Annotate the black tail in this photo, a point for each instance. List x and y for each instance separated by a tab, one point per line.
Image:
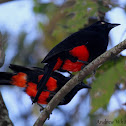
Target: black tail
48	69
5	78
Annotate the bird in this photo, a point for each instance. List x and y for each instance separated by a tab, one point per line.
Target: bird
76	51
28	78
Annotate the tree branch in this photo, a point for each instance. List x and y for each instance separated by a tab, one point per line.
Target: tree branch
77	79
4	1
4	116
2	54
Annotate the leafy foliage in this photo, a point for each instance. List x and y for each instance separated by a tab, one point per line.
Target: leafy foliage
64	20
121	119
104	85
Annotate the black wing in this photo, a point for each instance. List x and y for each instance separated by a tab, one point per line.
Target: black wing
27	70
33	73
76	39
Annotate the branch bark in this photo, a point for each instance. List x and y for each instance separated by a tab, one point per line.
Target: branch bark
4	1
77	79
4	116
2	54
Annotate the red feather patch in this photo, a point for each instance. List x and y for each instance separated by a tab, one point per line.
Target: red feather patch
31	90
51	83
81	53
58	64
19	80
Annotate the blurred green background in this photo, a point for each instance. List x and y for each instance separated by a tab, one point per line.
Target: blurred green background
50	23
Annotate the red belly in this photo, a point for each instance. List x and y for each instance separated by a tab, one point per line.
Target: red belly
81	53
73	67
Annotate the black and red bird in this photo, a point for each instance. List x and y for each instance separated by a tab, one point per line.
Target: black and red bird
28	78
73	52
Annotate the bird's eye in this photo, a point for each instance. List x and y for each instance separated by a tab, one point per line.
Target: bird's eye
102	22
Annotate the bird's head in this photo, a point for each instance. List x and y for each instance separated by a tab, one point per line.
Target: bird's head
102	26
82	85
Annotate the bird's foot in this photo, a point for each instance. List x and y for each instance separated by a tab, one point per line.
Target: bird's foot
85	62
41	107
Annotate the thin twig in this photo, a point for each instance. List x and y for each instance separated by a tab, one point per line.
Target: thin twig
76	79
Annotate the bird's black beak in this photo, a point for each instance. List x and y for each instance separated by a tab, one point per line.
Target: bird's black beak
85	85
110	26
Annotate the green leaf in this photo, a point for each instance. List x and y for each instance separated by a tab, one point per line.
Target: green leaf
103	86
121	119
